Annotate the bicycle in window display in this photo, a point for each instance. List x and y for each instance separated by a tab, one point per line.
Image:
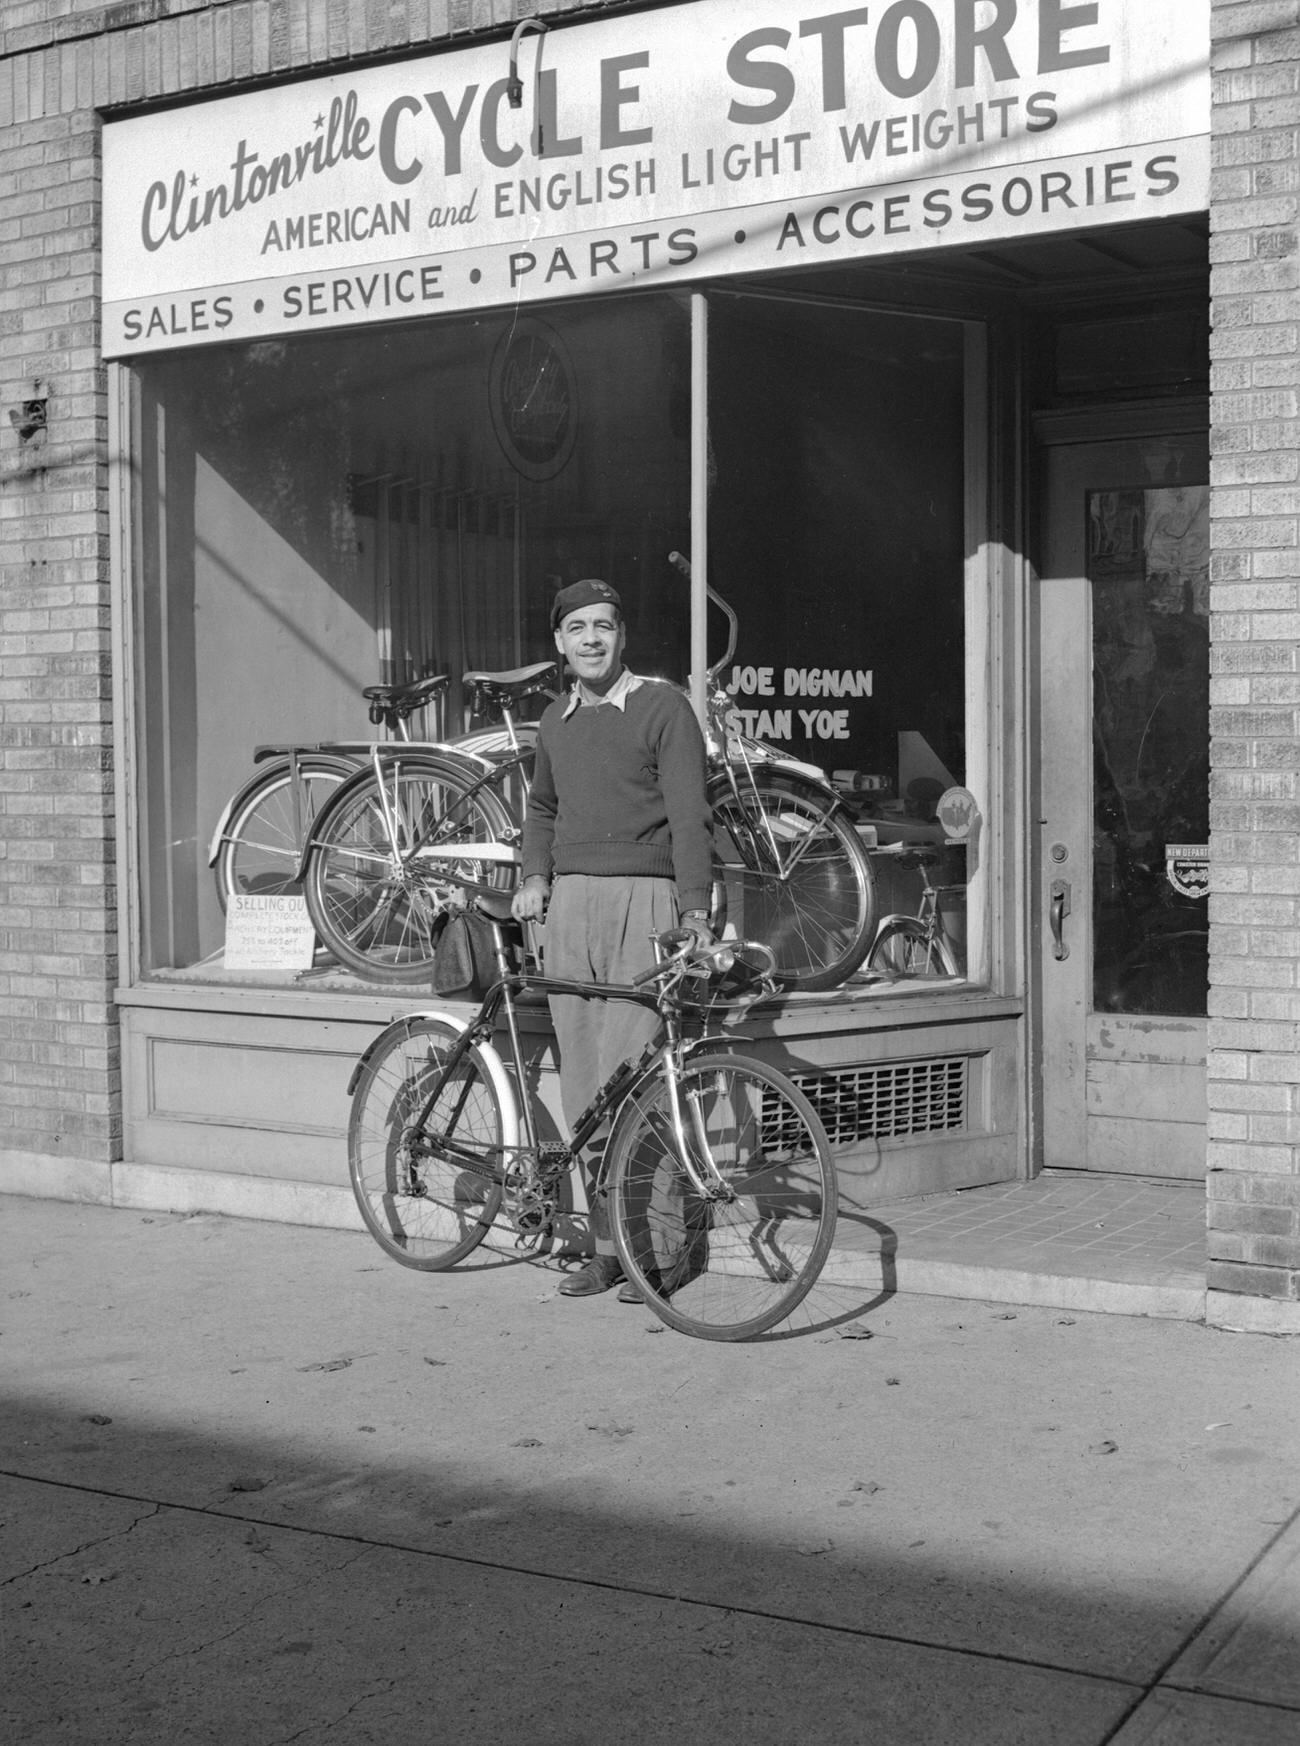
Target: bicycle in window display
915	945
790	869
259	841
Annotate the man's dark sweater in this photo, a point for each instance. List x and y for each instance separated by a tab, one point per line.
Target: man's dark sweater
622	791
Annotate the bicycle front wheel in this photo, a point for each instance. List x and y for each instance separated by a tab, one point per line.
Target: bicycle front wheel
376	890
906	947
791	871
261	842
724	1243
426	1175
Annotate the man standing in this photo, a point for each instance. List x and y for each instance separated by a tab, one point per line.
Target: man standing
618	836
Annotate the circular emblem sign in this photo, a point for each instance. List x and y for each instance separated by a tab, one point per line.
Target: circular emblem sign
534	402
957	812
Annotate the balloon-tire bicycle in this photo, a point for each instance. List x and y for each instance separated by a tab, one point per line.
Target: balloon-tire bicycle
914	945
258	844
380	862
720	1185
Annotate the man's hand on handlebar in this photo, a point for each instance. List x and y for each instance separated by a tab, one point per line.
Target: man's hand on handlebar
696	922
529	902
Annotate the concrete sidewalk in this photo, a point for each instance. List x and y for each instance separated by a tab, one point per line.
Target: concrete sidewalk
1068	1239
263	1485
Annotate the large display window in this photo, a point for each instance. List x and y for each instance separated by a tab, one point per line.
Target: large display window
312	517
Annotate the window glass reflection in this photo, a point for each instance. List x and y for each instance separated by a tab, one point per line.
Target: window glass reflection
1148	563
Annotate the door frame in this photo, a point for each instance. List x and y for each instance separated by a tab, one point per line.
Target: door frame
1075	428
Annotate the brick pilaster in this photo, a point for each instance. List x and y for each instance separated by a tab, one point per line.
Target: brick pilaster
1254	1027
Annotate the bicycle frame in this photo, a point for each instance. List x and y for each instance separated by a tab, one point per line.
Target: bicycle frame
664	1056
929	908
469	768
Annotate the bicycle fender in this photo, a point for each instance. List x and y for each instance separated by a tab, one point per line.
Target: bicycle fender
810	773
395	1028
715	1040
222	826
888	921
771	759
228	811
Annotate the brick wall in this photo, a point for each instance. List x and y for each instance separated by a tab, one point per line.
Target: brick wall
60	63
1254	1033
58	1048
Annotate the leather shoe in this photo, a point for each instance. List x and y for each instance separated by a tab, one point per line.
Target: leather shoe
629	1293
600	1273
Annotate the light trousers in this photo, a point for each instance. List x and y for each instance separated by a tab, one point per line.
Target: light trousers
599	929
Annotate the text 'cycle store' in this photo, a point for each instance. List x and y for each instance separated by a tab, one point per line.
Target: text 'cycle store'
867	354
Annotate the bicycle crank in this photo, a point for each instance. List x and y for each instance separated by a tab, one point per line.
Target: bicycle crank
530	1193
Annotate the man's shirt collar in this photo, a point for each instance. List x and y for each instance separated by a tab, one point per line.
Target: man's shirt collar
618	693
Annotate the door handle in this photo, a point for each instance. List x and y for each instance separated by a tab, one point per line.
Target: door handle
1059	892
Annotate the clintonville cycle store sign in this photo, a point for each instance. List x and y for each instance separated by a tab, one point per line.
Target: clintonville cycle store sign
726	136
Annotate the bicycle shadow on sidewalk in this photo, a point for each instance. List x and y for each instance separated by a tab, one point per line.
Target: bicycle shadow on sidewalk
837	1302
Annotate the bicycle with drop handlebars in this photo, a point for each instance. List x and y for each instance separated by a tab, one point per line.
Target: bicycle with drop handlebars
718	1175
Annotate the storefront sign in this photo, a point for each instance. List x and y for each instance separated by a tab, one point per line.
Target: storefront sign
268	933
725	136
1187	867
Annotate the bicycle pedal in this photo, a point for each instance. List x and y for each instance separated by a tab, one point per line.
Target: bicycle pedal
533	1239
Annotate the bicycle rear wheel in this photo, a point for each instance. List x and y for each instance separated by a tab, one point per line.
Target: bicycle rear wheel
906	947
261	840
427	1180
790	871
735	1262
376	890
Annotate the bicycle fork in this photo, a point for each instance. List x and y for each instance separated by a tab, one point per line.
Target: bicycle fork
709	1182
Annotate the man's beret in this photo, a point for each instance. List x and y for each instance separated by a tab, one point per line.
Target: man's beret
591	592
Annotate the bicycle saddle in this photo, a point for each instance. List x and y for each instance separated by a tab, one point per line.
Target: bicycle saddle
495	904
403	700
502	690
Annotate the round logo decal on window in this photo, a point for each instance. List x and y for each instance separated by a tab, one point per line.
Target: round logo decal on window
534	402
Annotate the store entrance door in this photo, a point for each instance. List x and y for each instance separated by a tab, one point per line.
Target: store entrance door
1123	755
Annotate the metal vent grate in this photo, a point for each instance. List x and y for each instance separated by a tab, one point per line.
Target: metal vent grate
888	1101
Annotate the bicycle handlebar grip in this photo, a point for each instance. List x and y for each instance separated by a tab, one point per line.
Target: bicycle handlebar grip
679	941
